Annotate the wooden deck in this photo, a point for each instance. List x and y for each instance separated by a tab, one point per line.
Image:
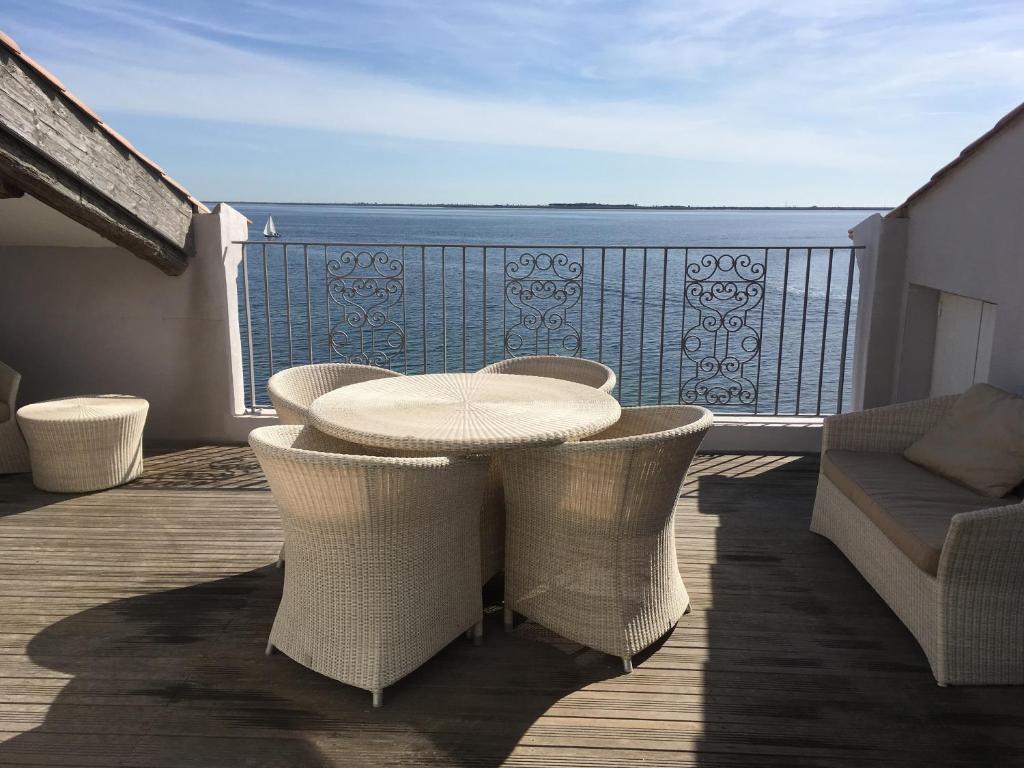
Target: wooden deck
132	626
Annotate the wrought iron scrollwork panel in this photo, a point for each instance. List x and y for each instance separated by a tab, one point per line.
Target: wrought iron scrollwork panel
369	289
721	341
543	304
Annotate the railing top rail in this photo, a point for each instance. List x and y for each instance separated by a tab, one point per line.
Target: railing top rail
551	245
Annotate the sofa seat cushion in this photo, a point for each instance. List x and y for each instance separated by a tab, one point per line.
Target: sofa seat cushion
5	411
909	504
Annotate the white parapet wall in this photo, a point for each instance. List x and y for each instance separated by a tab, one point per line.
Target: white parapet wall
764	434
79	315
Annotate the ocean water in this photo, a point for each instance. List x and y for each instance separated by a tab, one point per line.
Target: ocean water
741	311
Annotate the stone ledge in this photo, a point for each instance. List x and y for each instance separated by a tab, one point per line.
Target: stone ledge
765	434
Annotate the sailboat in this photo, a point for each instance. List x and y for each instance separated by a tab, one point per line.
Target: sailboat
270	231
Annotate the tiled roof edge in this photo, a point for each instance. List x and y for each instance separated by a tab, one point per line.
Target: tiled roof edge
117	138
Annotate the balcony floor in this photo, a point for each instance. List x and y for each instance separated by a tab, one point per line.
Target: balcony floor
133	621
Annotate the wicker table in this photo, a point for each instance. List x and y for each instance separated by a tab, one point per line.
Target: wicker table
463	413
79	444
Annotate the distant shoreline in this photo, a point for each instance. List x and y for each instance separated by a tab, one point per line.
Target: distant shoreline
586	206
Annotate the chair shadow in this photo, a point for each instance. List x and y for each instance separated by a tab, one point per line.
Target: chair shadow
186	671
806	665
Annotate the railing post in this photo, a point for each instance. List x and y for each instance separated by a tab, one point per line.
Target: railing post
248	327
841	390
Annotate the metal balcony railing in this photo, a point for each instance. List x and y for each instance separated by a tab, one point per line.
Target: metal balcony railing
763	330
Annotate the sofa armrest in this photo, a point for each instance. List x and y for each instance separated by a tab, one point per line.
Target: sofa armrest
981	596
985	548
889	429
9	381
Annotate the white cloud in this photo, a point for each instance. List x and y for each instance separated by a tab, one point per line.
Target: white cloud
826	84
249	88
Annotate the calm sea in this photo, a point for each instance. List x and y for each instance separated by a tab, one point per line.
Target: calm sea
528	226
700	324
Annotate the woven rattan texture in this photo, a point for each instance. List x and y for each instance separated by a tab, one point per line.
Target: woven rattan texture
578	369
969	619
492	515
293	390
590	549
463	412
383	554
80	444
13	451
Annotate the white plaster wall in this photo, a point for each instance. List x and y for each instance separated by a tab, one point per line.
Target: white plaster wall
882	270
78	320
966	236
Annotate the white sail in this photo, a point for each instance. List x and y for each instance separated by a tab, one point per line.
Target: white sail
270	230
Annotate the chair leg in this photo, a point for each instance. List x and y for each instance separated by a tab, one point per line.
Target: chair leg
510	618
270	648
478	633
378	698
627	664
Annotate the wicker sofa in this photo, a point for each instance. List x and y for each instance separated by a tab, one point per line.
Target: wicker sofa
948	561
13	451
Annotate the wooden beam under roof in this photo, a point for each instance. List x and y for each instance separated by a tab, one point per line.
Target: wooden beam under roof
24	169
9	191
55	148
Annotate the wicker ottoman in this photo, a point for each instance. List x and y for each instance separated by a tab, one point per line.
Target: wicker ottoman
84	443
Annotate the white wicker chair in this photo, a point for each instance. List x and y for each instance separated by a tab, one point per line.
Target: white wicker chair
492	515
383	555
292	391
13	451
591	549
969	615
578	369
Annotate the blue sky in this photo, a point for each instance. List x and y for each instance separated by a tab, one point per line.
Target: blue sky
752	102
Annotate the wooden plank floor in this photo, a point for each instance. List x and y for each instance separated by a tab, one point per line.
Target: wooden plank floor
132	626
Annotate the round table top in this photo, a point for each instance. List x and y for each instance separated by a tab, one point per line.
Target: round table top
90	408
458	413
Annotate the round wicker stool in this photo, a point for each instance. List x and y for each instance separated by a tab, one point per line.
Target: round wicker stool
80	444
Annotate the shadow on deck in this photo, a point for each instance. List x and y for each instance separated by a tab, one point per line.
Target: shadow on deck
133	625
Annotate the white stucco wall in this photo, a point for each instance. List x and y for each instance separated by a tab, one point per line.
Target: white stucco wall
83	319
882	263
966	236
